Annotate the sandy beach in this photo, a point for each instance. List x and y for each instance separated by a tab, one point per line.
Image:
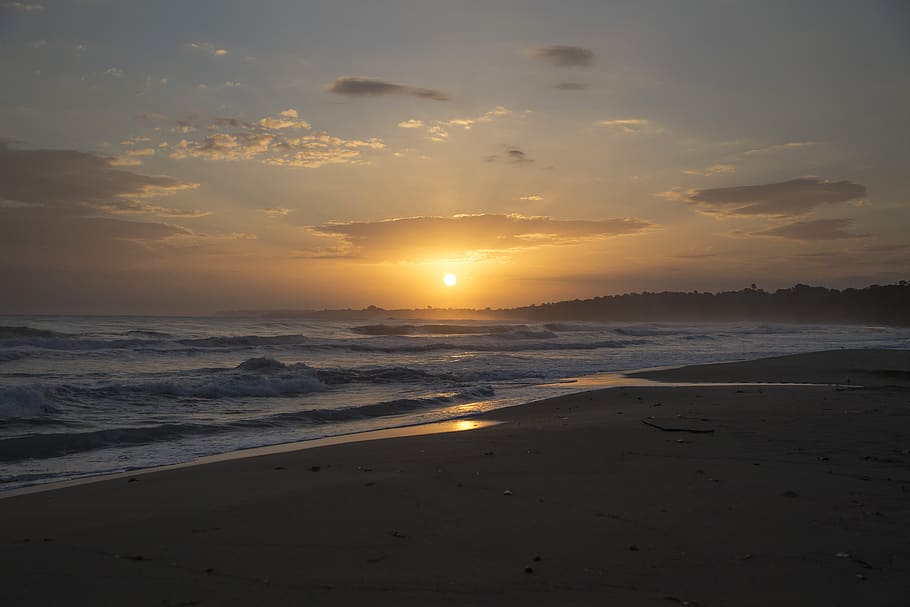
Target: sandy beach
693	495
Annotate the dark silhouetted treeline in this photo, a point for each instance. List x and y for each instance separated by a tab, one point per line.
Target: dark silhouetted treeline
876	304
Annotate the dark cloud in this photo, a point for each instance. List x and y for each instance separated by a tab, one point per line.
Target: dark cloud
48	238
571	86
231	122
416	238
783	199
151	116
512	155
68	177
371	87
818	229
564	56
516	155
58	205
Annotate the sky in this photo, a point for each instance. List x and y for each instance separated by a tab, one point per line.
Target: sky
187	157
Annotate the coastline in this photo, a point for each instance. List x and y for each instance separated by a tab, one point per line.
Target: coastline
731	495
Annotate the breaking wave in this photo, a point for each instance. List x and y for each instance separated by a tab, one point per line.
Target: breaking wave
56	444
20	332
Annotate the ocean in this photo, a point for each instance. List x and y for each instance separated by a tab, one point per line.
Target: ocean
83	396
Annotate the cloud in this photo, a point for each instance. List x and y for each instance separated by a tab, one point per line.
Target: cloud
371	87
780	147
236	123
532	197
437	133
512	155
131	157
151	116
27	7
285	120
67	178
224	146
438	129
783	199
141	152
714	169
563	56
730	162
570	86
818	229
137	207
208	49
461	236
276	211
628	125
185	126
274	140
466	123
64	200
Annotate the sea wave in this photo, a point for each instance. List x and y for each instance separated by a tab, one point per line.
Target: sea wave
415	346
24	401
380	375
148	333
233	341
260	377
11	355
74	343
255	377
381	409
7	332
651	330
56	444
565	327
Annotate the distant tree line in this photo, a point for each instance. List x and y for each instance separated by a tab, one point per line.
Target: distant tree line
876	304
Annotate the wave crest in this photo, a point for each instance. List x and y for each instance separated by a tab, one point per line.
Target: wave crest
20	332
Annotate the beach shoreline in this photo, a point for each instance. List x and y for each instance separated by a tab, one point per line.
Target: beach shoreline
710	495
649	377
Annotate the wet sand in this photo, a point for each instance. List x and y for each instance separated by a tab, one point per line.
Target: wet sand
749	495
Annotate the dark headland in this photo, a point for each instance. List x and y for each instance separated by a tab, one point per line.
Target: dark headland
876	304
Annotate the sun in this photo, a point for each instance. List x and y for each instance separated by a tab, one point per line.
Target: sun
449	280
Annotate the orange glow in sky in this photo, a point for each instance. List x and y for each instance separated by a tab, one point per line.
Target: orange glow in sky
347	158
